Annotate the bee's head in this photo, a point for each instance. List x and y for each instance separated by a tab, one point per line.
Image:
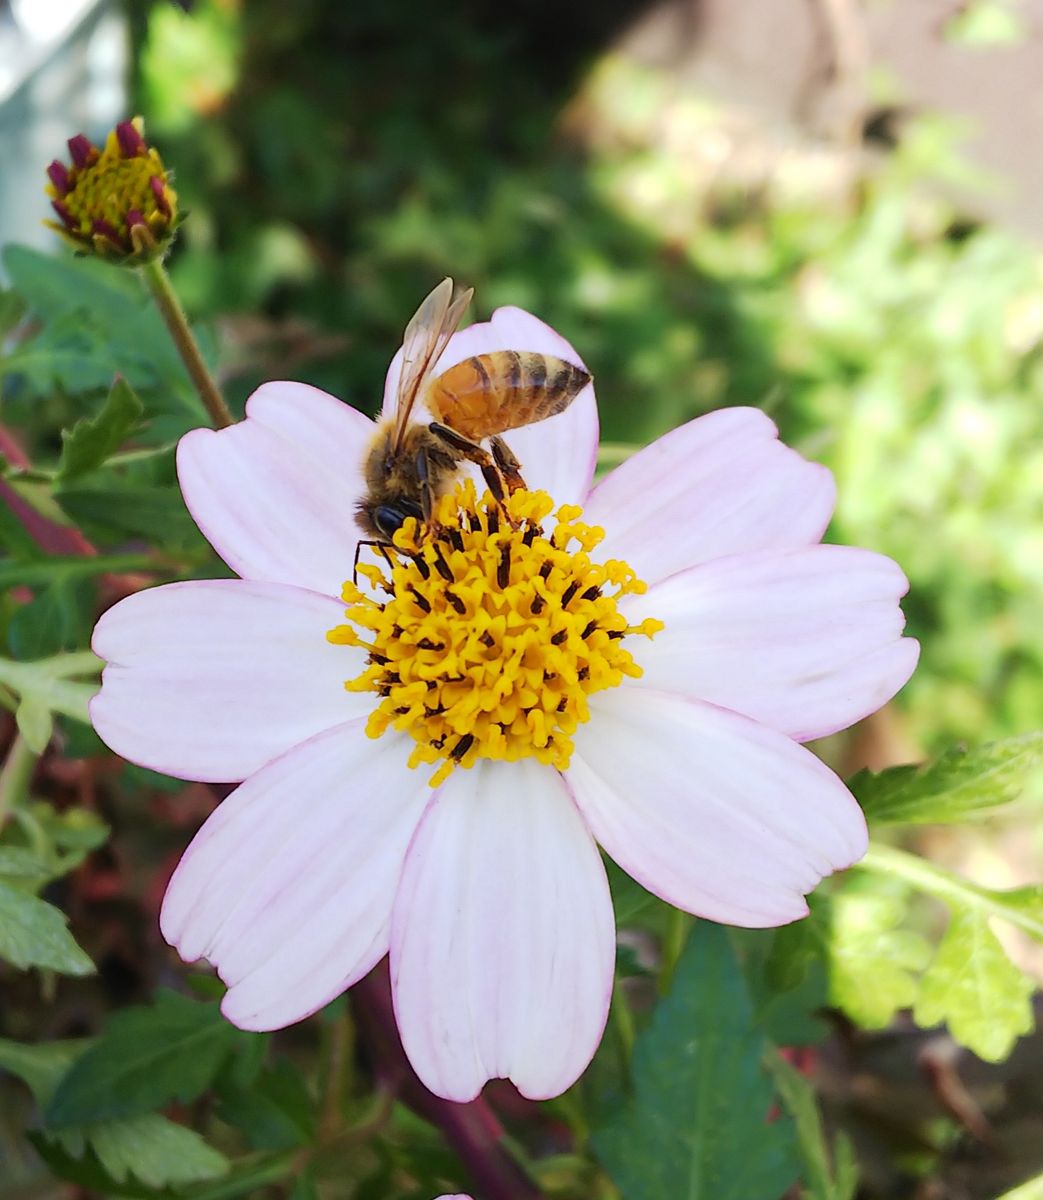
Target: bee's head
383	520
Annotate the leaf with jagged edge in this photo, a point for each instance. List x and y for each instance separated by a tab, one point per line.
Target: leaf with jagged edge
697	1123
874	964
959	785
974	988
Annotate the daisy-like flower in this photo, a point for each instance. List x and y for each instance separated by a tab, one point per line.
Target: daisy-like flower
432	759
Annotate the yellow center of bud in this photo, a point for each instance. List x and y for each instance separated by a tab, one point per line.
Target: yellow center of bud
491	634
115	202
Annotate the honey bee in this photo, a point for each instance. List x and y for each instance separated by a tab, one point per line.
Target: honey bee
411	463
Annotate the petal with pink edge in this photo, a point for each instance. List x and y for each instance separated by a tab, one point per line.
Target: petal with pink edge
716	814
275	494
211	679
557	455
722	484
287	889
806	641
503	939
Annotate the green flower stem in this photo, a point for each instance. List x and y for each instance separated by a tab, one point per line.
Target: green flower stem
158	281
15	775
946	885
678	926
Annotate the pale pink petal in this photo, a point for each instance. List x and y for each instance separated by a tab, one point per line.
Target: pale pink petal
806	641
287	889
713	812
210	679
722	484
275	494
557	455
455	1196
502	940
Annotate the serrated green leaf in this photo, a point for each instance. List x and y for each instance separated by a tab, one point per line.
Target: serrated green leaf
974	988
150	1147
35	723
145	1058
873	963
959	785
33	933
93	439
830	1173
698	1122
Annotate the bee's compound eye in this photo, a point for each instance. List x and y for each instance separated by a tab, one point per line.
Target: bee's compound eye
388	519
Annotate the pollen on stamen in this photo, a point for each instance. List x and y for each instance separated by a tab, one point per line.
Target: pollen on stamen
490	635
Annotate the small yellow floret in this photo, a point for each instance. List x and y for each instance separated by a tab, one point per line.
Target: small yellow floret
492	634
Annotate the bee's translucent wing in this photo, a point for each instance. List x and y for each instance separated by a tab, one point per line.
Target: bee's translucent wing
426	336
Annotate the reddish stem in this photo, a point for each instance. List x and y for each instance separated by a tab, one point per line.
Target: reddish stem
472	1129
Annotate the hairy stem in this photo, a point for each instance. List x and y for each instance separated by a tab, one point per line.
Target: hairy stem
158	281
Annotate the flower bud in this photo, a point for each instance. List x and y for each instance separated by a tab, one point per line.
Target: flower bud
116	203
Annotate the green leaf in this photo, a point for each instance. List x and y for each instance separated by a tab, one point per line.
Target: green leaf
149	1147
146	1058
156	1151
157	513
697	1125
23	867
12	310
40	1066
829	1173
873	963
975	989
275	1111
33	933
960	784
35	722
47	682
93	439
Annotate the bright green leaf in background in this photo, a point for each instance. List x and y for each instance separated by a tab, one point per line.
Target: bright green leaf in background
960	784
874	961
698	1124
975	989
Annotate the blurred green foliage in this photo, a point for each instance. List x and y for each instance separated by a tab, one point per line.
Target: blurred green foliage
334	168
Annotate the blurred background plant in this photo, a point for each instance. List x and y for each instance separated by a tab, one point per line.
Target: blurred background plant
718	204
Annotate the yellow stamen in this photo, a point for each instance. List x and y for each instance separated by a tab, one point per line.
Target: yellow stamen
491	637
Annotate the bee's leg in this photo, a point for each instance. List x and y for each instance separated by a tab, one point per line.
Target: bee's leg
381	546
509	466
465	448
427	492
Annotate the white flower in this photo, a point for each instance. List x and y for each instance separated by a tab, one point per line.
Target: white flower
489	890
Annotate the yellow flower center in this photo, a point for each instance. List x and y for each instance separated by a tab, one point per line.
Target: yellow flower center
491	633
117	201
111	188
